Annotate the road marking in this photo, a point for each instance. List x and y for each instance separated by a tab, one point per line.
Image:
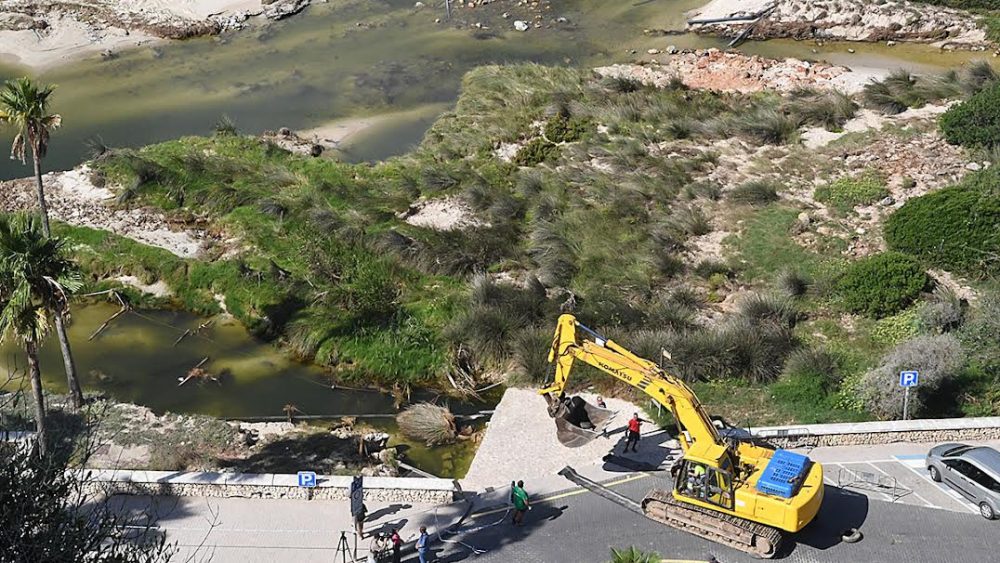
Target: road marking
907	463
574	492
913	492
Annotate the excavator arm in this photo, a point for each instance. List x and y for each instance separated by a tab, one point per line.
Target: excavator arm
573	341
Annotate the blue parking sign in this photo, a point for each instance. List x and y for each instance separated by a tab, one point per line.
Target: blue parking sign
307	479
908	378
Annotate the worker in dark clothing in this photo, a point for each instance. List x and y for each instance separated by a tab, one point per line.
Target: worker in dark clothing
397	545
632	435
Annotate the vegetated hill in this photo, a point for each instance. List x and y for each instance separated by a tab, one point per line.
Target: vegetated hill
667	218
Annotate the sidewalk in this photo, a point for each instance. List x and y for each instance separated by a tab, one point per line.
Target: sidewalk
244	530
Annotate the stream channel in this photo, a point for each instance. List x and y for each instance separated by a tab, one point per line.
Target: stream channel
398	70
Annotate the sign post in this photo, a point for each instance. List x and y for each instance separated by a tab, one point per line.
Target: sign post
907	379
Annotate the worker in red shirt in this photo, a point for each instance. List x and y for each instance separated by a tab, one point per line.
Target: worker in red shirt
632	436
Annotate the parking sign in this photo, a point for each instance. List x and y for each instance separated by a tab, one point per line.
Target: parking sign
908	378
307	479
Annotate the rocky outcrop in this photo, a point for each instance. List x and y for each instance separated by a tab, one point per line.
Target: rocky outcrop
713	69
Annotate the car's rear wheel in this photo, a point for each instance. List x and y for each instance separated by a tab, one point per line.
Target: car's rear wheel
935	474
986	511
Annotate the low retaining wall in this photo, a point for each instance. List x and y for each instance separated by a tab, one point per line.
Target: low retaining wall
267	485
867	433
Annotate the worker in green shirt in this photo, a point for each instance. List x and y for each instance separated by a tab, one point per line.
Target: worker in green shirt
521	504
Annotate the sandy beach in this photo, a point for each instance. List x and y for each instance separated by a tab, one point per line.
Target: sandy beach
40	36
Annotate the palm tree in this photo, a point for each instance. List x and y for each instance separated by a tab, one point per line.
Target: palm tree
24	105
633	555
36	280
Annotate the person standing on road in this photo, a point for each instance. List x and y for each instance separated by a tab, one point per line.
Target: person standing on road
521	503
359	522
397	545
632	438
422	545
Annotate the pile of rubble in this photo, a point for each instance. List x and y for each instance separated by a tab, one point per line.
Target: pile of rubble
713	69
850	20
173	20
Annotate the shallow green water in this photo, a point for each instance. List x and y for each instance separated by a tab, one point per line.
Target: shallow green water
321	66
134	360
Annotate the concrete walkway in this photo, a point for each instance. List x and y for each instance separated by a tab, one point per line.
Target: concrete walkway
520	443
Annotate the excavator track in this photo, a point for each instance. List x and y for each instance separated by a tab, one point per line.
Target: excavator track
756	539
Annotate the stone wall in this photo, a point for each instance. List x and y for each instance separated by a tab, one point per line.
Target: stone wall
872	433
205	484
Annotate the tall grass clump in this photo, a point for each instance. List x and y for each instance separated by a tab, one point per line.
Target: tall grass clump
430	423
768	126
828	109
754	192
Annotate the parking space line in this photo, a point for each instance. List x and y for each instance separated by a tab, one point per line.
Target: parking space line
890	497
959	499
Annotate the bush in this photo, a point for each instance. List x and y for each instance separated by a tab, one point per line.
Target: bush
943	313
431	423
957	228
937	358
756	192
562	129
536	151
976	121
849	192
881	285
981	332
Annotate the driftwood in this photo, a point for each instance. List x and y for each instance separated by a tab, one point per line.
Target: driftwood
181	337
736	19
101	328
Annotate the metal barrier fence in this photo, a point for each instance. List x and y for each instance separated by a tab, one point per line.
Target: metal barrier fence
870	481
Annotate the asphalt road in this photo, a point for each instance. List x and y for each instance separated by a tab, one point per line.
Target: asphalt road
582	527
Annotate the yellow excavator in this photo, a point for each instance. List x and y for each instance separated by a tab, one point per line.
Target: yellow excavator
729	491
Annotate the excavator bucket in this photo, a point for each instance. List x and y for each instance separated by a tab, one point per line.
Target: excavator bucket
577	421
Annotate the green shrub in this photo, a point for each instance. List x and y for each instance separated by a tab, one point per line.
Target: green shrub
957	228
976	121
755	192
562	129
848	192
897	328
537	151
881	285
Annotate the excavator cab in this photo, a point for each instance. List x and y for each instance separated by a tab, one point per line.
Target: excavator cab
577	421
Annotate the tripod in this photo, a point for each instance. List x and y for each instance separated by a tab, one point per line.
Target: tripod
345	548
